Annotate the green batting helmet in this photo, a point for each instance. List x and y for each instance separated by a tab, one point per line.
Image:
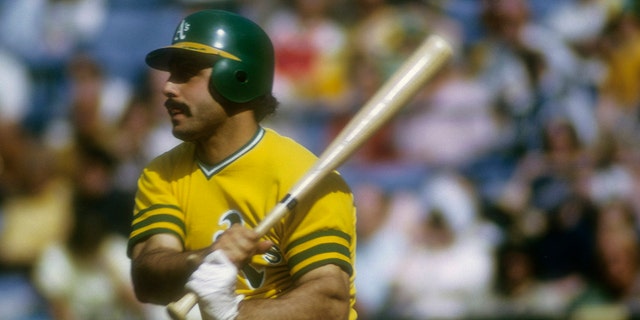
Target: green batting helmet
244	67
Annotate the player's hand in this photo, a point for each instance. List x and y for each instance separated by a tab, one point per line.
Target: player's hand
240	244
214	282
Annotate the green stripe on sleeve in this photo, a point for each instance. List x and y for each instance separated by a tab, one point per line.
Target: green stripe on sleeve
144	235
160	218
326	233
156	207
320	249
340	263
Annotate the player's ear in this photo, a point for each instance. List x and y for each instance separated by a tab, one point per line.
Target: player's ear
229	106
231	79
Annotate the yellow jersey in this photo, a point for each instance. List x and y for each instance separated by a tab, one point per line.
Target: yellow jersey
177	194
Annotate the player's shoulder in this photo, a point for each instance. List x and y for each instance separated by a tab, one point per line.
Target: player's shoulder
279	144
284	153
182	154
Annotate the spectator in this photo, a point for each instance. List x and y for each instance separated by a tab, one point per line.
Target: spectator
310	50
615	293
46	34
383	220
34	214
519	292
543	180
530	73
86	274
448	264
97	101
386	31
456	124
619	97
142	132
40	208
96	192
15	91
310	46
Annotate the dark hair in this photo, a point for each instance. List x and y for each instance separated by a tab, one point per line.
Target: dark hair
262	106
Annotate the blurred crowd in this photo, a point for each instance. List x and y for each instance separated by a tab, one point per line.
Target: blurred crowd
509	187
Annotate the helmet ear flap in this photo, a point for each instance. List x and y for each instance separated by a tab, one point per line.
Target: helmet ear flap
230	79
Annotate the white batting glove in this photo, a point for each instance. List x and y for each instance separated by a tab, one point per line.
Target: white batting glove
214	282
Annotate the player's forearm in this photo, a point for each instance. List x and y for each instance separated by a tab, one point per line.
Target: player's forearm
324	298
159	275
293	309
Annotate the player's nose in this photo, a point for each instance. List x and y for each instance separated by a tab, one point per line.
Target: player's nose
170	89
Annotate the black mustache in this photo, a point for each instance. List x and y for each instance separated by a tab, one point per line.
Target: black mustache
171	104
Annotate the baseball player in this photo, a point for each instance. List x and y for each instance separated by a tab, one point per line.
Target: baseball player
197	204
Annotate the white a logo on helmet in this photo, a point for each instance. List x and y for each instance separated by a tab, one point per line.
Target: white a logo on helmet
181	33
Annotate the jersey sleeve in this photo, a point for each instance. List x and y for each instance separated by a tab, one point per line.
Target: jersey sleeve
322	229
156	208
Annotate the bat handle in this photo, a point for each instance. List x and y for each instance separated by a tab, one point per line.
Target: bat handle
178	310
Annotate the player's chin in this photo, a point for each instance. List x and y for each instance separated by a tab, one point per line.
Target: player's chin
182	134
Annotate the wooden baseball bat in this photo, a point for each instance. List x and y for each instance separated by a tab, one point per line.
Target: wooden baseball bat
396	92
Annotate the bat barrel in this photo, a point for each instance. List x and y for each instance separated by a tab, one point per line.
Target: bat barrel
395	93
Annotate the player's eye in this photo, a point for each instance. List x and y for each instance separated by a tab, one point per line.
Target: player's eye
182	72
185	67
